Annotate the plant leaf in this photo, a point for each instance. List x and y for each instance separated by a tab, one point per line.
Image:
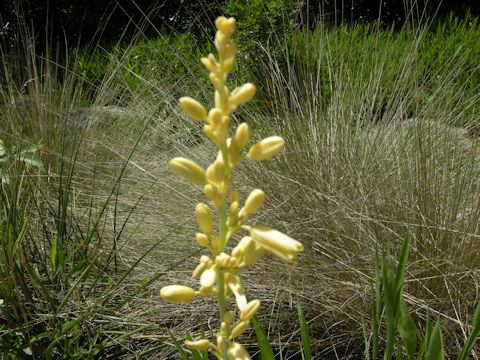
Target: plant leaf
263	344
406	329
434	349
307	349
182	352
472	338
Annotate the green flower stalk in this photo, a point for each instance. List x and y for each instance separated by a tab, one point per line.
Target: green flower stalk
218	273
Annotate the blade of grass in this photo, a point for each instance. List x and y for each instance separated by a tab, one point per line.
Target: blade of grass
265	349
306	346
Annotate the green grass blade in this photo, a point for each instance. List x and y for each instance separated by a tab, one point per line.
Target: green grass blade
263	344
390	300
472	338
204	352
365	342
182	352
402	264
307	348
434	349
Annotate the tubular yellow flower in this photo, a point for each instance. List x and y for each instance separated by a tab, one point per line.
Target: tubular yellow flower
189	170
241	95
200	345
276	242
193	108
204	218
237	352
208	278
177	293
266	148
253	203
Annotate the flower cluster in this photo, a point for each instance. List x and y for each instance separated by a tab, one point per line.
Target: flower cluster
218	273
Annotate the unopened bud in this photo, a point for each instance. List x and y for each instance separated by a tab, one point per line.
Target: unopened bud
177	293
254	202
241	94
188	170
204	218
266	148
200	345
193	108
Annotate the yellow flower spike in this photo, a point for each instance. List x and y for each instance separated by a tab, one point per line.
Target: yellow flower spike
250	310
266	148
276	242
202	239
208	278
241	95
188	170
193	108
177	293
219	170
199	345
253	203
237	352
239	328
204	218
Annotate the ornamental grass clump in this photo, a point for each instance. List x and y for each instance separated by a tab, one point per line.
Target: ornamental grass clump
219	272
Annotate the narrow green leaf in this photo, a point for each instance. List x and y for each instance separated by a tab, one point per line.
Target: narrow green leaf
472	338
204	352
390	300
434	349
263	344
406	329
53	254
182	352
307	349
365	342
402	264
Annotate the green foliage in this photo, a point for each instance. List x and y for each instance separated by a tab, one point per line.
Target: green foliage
26	153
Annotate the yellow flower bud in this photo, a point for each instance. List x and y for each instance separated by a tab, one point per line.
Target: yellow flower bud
209	191
216	171
193	108
208	278
215	117
276	242
177	293
237	352
204	218
188	170
228	318
248	251
266	148
210	63
253	203
241	95
239	328
202	239
241	136
200	345
250	310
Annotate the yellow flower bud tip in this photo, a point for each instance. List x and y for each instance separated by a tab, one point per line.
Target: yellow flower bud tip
188	170
199	270
237	352
250	310
193	108
276	242
254	202
241	135
266	148
200	345
242	94
202	239
204	218
177	293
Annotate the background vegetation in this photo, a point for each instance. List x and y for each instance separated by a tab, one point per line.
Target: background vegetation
381	128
